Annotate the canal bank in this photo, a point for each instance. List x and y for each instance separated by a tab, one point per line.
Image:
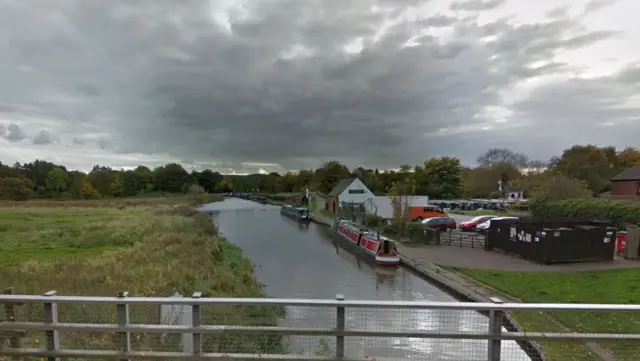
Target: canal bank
459	286
295	260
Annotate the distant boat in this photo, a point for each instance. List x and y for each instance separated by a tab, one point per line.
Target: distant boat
369	244
298	213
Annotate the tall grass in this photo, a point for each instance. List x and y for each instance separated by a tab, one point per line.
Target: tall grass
148	248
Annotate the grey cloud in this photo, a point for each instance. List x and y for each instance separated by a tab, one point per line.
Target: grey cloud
104	143
595	5
161	77
43	137
13	133
477	5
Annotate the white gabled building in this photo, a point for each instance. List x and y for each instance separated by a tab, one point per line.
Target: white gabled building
350	190
354	191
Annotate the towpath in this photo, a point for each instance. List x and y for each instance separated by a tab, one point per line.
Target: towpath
435	262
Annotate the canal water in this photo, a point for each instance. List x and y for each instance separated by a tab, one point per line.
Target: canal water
295	261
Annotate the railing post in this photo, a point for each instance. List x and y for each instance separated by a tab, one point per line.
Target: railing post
124	338
496	318
51	318
340	326
10	314
196	318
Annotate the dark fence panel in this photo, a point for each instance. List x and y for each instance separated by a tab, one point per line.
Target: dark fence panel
553	241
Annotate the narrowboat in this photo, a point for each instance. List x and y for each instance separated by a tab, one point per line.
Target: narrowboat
374	246
297	213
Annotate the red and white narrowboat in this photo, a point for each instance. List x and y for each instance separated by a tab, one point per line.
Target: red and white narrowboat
378	248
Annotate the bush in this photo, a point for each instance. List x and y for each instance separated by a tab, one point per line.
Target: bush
372	220
416	232
620	213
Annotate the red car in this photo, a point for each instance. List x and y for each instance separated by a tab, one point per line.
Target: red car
441	223
471	225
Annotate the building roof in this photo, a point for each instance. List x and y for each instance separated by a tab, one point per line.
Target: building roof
630	174
341	186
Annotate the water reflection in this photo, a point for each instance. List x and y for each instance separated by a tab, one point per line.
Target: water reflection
305	262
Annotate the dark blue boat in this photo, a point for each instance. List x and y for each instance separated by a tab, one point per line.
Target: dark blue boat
297	213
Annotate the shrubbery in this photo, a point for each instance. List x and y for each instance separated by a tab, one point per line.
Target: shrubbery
620	213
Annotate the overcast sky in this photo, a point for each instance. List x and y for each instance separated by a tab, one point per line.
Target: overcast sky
244	85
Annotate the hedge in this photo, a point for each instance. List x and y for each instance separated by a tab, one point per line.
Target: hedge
281	197
620	213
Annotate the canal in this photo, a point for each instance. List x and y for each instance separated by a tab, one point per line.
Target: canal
295	261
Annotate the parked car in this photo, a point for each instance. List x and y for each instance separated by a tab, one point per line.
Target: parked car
440	223
483	228
473	223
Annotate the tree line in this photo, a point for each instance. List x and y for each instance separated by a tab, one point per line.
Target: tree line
579	172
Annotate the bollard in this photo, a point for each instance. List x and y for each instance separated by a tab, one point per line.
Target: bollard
496	318
51	318
124	338
196	318
340	326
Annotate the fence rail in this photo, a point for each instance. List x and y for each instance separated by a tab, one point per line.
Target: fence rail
462	239
123	328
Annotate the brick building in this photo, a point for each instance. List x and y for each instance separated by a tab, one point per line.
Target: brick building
627	183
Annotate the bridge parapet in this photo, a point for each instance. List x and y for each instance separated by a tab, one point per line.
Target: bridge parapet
51	326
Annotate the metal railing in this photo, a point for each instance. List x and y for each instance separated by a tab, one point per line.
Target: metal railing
122	327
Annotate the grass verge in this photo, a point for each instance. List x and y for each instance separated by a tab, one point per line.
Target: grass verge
619	286
146	247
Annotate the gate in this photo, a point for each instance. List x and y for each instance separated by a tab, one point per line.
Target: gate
462	239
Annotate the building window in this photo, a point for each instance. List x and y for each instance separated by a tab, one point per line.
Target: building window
356	191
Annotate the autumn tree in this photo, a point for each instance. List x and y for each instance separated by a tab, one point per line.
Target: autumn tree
87	191
329	175
556	186
589	164
16	189
500	157
400	195
628	157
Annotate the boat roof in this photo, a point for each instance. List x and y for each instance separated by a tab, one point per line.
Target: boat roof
364	232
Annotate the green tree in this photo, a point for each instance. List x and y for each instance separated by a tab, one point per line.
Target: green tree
131	183
208	179
440	178
145	178
101	178
171	178
37	172
117	188
57	180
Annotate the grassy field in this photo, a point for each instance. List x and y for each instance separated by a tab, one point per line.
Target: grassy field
148	247
611	286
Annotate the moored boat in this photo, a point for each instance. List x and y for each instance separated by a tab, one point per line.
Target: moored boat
297	213
374	246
